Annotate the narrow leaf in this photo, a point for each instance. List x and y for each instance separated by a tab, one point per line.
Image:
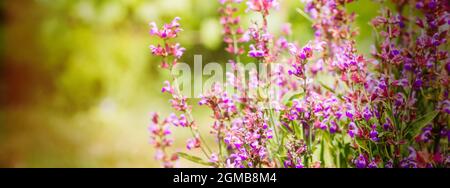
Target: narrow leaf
287	99
328	88
194	159
303	13
415	127
362	145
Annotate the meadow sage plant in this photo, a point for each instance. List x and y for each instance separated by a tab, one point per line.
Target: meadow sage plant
389	109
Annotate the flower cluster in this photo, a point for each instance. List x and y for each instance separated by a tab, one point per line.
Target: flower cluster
159	132
262	38
389	110
262	5
171	52
412	78
167	49
233	32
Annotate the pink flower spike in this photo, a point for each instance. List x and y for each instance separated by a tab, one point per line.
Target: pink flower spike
177	50
193	143
175	21
262	5
168	31
255	53
203	100
183	121
154	28
173	119
167	88
155	118
292	49
214	158
157	50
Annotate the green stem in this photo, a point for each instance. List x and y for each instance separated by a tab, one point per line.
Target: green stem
189	115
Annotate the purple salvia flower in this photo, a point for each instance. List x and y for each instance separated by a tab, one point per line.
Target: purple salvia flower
255	53
418	83
262	5
193	143
333	127
425	136
214	158
389	164
388	124
349	115
367	113
352	129
360	161
372	164
374	134
167	87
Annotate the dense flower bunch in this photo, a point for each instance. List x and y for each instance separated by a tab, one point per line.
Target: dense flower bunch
233	33
170	53
412	55
391	109
160	140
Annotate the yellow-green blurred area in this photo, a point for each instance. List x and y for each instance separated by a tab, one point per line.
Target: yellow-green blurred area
78	81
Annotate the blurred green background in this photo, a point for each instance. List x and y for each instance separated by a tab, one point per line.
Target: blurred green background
78	81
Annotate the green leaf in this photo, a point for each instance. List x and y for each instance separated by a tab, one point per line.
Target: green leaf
298	131
417	125
280	156
328	88
304	14
362	145
288	101
383	134
322	152
194	159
